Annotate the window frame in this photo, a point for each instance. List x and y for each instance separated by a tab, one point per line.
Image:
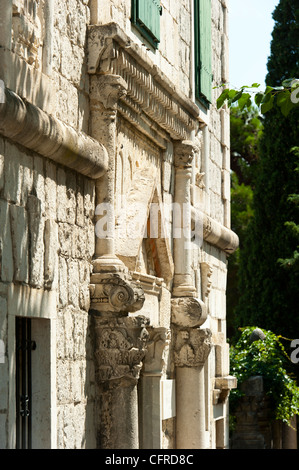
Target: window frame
145	31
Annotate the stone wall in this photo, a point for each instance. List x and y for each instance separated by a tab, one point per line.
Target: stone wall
46	245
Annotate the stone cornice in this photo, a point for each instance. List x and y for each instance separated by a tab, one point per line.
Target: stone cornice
149	91
27	125
215	233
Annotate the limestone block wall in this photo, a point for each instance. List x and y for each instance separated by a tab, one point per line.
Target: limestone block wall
46	245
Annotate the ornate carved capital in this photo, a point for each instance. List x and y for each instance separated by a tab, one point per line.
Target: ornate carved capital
119	347
115	293
158	340
184	153
107	90
188	312
192	346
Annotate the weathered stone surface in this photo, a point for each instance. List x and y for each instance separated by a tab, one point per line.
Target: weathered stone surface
188	312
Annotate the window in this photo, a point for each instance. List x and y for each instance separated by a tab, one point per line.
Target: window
203	51
146	17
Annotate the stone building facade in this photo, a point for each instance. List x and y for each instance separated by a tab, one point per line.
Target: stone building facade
114	224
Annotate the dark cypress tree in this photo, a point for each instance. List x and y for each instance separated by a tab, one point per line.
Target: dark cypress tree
269	292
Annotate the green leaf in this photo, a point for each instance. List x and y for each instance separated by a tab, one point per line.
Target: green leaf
255	85
267	104
222	98
243	100
258	98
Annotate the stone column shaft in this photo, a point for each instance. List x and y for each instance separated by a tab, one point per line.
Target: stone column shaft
192	347
183	156
104	95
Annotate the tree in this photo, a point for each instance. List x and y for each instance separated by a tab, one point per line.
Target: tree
269	292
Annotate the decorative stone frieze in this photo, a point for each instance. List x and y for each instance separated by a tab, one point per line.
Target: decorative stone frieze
192	346
149	91
120	345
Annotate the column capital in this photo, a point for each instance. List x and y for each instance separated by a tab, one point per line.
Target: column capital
183	153
192	346
107	89
120	345
158	340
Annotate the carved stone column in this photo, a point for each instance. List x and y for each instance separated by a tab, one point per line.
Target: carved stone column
150	396
191	349
183	156
105	91
119	340
119	351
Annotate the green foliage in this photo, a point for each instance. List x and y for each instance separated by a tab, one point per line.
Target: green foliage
293	261
286	97
269	294
245	131
267	358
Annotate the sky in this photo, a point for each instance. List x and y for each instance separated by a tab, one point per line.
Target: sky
250	35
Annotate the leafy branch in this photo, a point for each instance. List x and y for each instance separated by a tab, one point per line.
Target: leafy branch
285	96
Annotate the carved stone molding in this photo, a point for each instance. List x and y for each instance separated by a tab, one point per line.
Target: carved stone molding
188	312
120	346
192	346
158	340
149	92
223	386
206	281
115	294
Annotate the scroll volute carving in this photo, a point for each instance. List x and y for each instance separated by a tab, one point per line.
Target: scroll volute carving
113	293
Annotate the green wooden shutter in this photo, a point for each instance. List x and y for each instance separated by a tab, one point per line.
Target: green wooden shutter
203	49
146	17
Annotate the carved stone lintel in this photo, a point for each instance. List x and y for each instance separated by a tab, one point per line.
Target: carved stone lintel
184	153
153	362
192	346
188	312
120	346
